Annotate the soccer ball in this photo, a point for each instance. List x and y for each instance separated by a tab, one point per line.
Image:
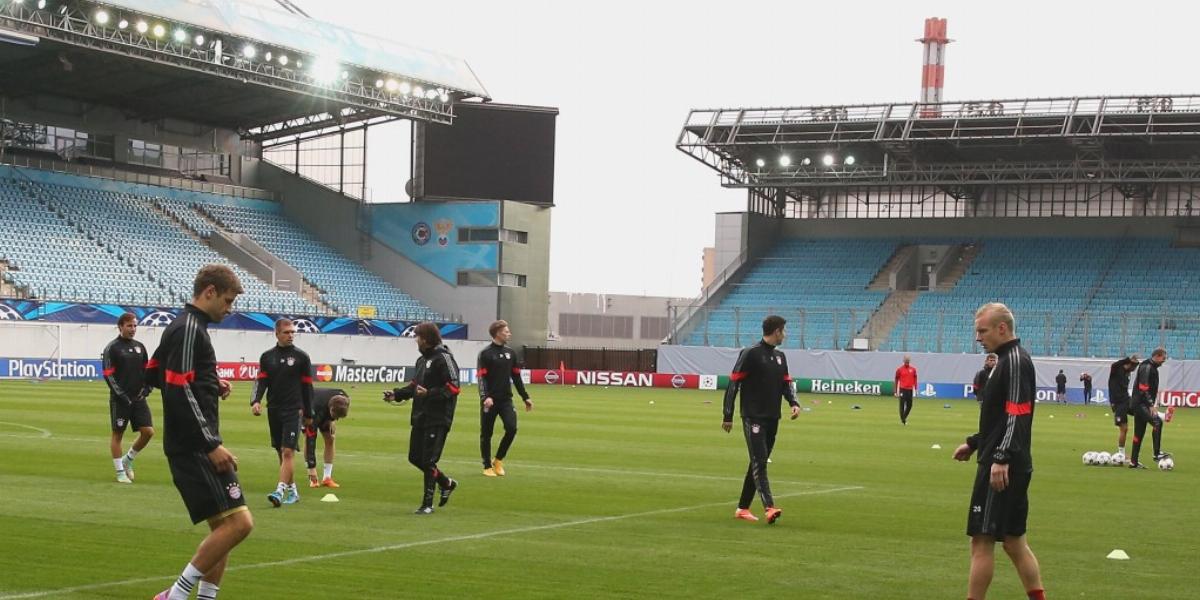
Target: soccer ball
1118	459
306	326
1103	458
158	318
1089	458
1166	464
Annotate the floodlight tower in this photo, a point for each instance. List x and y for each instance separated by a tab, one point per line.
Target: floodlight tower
933	71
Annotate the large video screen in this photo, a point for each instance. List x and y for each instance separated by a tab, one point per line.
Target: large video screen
491	152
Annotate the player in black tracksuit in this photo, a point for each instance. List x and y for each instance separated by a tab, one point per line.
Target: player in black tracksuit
1060	387
761	376
1145	395
124	360
434	392
1118	396
285	375
323	417
999	505
184	367
981	377
497	367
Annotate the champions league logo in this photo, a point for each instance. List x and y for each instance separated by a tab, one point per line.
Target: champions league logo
421	233
306	326
8	313
158	318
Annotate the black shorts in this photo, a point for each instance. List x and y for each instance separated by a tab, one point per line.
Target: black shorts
136	414
285	428
1120	413
205	492
999	514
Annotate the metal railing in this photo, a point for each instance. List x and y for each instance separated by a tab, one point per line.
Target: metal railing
1091	334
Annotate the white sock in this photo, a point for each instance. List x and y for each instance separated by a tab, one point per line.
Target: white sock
282	488
1120	450
183	586
117	464
207	591
328	470
292	488
132	454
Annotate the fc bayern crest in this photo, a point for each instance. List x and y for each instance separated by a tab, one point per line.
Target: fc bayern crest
291	361
754	429
421	233
235	491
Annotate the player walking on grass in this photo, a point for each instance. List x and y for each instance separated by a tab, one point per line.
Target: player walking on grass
285	375
761	376
434	392
1000	501
1145	394
906	384
497	367
184	367
124	361
328	406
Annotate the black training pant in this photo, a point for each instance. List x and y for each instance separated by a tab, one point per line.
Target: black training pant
487	424
760	440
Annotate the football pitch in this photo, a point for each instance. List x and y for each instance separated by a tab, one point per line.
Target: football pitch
610	493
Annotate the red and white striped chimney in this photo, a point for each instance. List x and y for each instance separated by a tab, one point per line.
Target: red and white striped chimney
933	72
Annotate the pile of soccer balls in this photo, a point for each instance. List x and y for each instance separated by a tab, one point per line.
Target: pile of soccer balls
1103	459
1118	459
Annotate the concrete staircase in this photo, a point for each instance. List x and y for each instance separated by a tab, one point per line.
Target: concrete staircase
967	254
884	319
8	290
309	292
899	258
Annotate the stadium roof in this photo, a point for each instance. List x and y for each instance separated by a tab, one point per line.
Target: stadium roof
314	38
1152	138
262	72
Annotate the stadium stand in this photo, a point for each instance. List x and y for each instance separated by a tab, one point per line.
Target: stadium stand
1075	296
120	244
827	278
345	283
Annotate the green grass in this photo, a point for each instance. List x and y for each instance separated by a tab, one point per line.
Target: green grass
607	496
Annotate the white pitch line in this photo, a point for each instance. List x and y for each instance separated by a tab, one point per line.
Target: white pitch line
45	433
406	545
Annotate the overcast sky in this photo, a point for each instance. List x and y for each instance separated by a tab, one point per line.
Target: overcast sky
633	213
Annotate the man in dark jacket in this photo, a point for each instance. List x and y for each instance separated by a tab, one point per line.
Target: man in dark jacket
124	361
761	376
1118	395
1145	394
434	392
498	372
1000	500
981	377
1060	387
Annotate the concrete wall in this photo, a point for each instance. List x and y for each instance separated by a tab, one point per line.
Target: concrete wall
524	308
84	341
611	305
333	218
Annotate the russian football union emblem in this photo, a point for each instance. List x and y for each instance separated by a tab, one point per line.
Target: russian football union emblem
421	233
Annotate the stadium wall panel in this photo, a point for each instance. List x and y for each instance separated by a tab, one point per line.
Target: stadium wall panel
971	227
85	342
